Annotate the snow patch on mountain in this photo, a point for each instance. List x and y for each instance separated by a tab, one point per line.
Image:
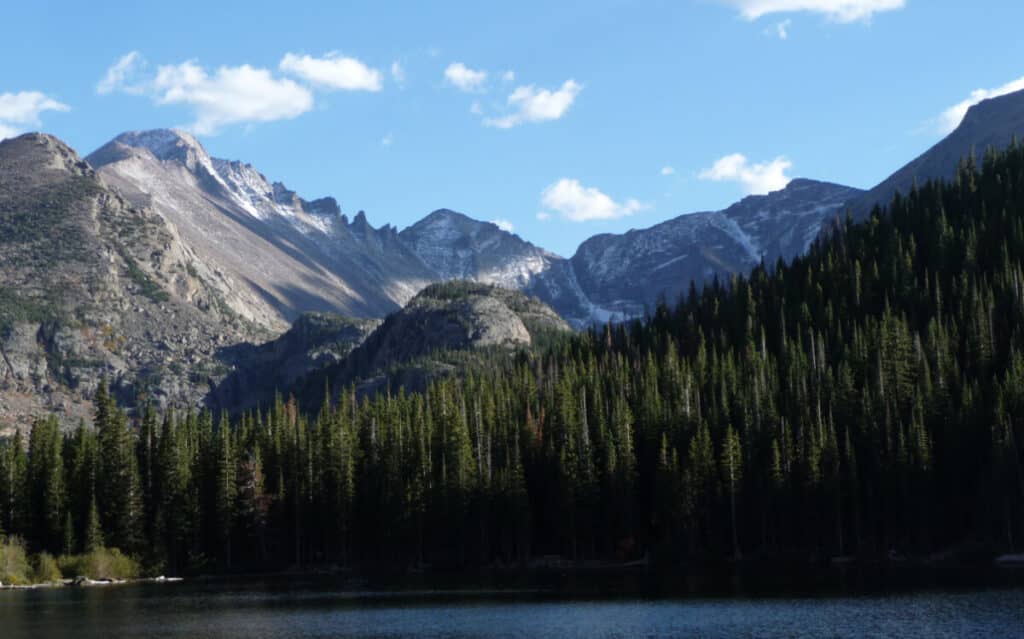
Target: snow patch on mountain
733	230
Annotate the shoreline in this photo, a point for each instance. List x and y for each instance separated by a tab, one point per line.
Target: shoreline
735	577
85	582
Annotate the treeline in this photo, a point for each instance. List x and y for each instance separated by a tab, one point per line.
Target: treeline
865	398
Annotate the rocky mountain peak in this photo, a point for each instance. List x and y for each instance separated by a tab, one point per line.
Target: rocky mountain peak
41	152
168	145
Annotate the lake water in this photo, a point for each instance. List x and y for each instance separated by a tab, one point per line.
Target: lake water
184	610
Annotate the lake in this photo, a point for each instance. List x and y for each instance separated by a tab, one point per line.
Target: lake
194	611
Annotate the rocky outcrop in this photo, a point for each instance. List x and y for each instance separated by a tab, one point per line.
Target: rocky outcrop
91	287
458	315
416	345
315	341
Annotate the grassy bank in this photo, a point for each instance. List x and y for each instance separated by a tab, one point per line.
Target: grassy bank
18	568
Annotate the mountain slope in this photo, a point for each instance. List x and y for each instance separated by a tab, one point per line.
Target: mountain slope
315	341
271	254
92	286
456	246
991	123
621	274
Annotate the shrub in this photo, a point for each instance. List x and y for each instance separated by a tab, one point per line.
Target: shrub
45	569
14	567
101	563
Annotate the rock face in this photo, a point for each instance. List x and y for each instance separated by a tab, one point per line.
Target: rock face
995	123
315	341
93	286
458	315
456	246
270	254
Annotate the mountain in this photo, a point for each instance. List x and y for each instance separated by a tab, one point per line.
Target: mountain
270	254
417	344
92	286
619	275
994	123
176	275
456	246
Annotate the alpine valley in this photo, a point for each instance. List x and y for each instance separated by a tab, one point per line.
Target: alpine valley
189	280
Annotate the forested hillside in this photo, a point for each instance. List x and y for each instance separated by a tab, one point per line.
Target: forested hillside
867	397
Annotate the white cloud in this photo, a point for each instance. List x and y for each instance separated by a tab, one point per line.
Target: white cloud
504	225
543	216
464	78
578	203
756	179
333	71
951	117
537	105
782	29
118	76
397	73
20	110
387	140
475	108
667	170
508	76
231	95
844	11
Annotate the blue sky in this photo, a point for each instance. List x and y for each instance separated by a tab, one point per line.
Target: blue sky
562	119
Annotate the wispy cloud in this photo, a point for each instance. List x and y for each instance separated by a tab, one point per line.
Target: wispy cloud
954	115
332	71
504	225
22	110
577	203
398	73
780	29
529	104
844	11
465	79
387	140
755	178
667	170
121	75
